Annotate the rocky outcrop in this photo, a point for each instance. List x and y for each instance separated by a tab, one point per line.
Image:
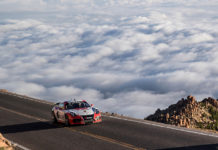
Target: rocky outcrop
5	144
190	113
4	90
210	101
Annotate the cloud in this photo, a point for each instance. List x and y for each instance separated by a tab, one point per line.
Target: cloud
25	88
198	38
138	103
66	92
129	57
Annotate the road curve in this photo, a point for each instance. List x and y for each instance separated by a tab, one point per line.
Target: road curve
27	121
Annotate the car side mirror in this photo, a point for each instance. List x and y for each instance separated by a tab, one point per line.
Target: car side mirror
92	105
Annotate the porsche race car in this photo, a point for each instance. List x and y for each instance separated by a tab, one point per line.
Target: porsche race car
75	112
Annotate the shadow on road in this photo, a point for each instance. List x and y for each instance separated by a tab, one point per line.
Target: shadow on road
199	147
33	126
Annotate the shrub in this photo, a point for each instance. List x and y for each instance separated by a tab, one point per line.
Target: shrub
214	113
204	115
200	125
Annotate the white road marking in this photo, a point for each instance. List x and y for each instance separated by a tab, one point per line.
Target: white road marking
167	126
19	146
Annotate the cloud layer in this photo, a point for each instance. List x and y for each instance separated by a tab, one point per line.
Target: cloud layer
129	57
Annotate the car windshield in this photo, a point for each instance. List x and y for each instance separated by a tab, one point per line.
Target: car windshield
77	105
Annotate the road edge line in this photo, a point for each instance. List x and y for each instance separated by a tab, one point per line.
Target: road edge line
14	144
168	127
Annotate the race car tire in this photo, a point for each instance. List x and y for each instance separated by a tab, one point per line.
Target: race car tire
66	121
54	119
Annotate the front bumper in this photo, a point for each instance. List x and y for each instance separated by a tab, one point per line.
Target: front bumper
97	118
77	120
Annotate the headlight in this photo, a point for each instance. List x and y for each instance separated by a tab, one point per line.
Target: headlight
73	114
95	110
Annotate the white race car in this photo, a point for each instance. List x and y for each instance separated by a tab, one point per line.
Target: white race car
75	112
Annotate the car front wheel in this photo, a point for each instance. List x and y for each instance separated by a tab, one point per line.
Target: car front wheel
66	121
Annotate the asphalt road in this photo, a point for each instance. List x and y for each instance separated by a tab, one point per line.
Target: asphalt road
28	123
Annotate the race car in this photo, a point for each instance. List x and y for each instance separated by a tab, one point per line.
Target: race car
75	113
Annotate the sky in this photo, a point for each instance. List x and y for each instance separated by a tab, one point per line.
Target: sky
124	56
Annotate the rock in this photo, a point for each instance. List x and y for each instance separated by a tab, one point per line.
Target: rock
167	117
158	111
180	122
5	144
211	101
189	113
191	99
4	90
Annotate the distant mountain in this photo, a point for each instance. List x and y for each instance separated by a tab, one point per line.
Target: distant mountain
190	113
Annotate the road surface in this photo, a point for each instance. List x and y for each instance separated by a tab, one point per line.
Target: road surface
27	122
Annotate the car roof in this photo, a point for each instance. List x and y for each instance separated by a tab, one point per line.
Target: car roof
71	101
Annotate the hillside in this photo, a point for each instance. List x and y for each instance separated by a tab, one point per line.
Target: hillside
190	113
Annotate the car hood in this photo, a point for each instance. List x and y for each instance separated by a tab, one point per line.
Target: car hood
82	111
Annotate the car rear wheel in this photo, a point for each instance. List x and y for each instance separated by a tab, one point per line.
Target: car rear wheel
54	119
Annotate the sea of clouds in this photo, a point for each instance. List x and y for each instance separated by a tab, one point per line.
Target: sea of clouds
125	56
